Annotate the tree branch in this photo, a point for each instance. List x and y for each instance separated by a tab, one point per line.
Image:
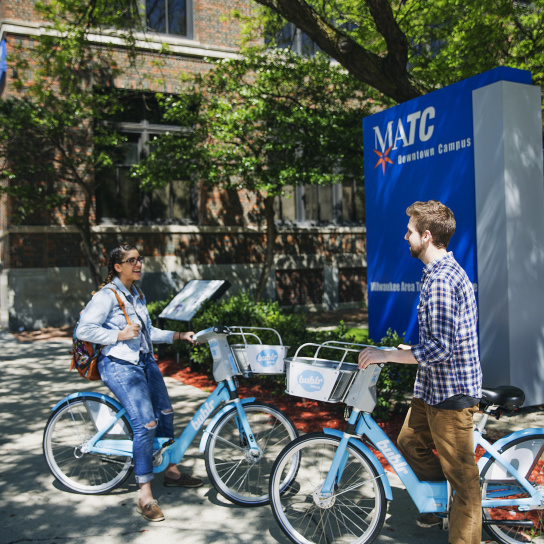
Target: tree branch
388	74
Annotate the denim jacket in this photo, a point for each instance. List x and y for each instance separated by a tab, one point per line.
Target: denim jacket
102	319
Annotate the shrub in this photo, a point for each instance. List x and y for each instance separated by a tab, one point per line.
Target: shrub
155	309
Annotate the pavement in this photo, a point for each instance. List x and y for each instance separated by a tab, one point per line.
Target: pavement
35	508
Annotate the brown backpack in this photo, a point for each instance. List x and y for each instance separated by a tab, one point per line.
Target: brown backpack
85	354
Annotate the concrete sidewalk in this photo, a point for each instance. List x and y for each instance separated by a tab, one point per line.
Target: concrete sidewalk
35	508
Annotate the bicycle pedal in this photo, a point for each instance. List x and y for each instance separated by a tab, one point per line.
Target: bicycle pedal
157	456
167	444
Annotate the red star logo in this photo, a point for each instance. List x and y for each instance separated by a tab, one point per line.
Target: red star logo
383	158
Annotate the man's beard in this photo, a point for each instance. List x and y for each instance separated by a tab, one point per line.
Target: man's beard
415	252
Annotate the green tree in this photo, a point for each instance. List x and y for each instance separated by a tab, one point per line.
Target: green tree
54	135
263	122
405	48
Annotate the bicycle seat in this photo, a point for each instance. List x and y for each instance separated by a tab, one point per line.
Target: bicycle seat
507	396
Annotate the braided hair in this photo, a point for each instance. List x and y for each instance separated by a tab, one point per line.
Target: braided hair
116	256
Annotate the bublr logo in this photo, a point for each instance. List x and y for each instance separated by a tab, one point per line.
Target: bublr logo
311	380
267	357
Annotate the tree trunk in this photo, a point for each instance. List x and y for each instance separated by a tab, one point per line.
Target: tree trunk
90	255
270	245
87	242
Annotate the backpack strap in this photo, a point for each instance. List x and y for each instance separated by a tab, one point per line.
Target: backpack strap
121	304
139	291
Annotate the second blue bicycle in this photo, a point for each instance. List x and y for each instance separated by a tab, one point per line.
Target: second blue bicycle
339	494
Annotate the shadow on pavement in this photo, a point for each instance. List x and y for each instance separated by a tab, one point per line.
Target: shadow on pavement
35	507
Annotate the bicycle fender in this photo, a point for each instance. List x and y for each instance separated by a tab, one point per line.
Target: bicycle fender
357	444
499	444
207	431
99	396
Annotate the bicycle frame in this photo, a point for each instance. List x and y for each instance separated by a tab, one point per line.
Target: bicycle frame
224	396
224	393
427	496
504	489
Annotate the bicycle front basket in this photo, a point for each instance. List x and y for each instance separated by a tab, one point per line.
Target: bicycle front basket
319	379
254	357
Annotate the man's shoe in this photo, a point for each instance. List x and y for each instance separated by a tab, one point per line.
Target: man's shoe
151	511
428	520
185	480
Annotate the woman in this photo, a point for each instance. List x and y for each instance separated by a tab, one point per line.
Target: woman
128	368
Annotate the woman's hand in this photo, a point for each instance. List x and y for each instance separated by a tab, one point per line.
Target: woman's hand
129	332
185	336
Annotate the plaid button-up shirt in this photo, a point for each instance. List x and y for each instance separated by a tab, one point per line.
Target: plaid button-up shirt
447	353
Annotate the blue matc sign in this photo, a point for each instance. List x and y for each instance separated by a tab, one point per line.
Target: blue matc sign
419	150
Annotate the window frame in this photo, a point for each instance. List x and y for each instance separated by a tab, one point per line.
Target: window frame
189	21
299	193
146	130
293	38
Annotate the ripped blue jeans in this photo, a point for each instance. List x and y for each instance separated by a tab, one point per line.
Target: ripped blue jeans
142	392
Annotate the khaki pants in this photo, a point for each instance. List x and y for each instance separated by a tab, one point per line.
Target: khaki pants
452	433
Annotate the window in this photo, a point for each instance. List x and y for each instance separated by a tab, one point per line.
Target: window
293	38
318	204
119	199
172	17
299	287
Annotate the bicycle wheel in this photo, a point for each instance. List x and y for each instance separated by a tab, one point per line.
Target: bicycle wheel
234	472
353	514
69	427
527	455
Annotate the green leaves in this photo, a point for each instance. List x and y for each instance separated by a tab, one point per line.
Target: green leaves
418	45
54	135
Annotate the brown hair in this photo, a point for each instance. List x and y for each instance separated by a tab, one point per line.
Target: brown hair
435	217
117	254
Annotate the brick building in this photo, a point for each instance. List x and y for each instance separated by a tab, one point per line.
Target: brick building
184	232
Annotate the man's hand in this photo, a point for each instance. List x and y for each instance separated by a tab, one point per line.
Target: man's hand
372	356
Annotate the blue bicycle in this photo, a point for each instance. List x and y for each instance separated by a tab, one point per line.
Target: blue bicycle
340	492
88	438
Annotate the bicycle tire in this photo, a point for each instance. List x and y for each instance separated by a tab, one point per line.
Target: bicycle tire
233	471
354	514
68	428
495	480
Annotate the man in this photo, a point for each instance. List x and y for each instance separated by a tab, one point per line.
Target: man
449	377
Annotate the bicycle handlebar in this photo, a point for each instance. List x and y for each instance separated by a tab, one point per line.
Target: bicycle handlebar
221	330
206	334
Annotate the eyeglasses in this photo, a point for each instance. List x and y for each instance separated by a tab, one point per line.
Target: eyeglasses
133	260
